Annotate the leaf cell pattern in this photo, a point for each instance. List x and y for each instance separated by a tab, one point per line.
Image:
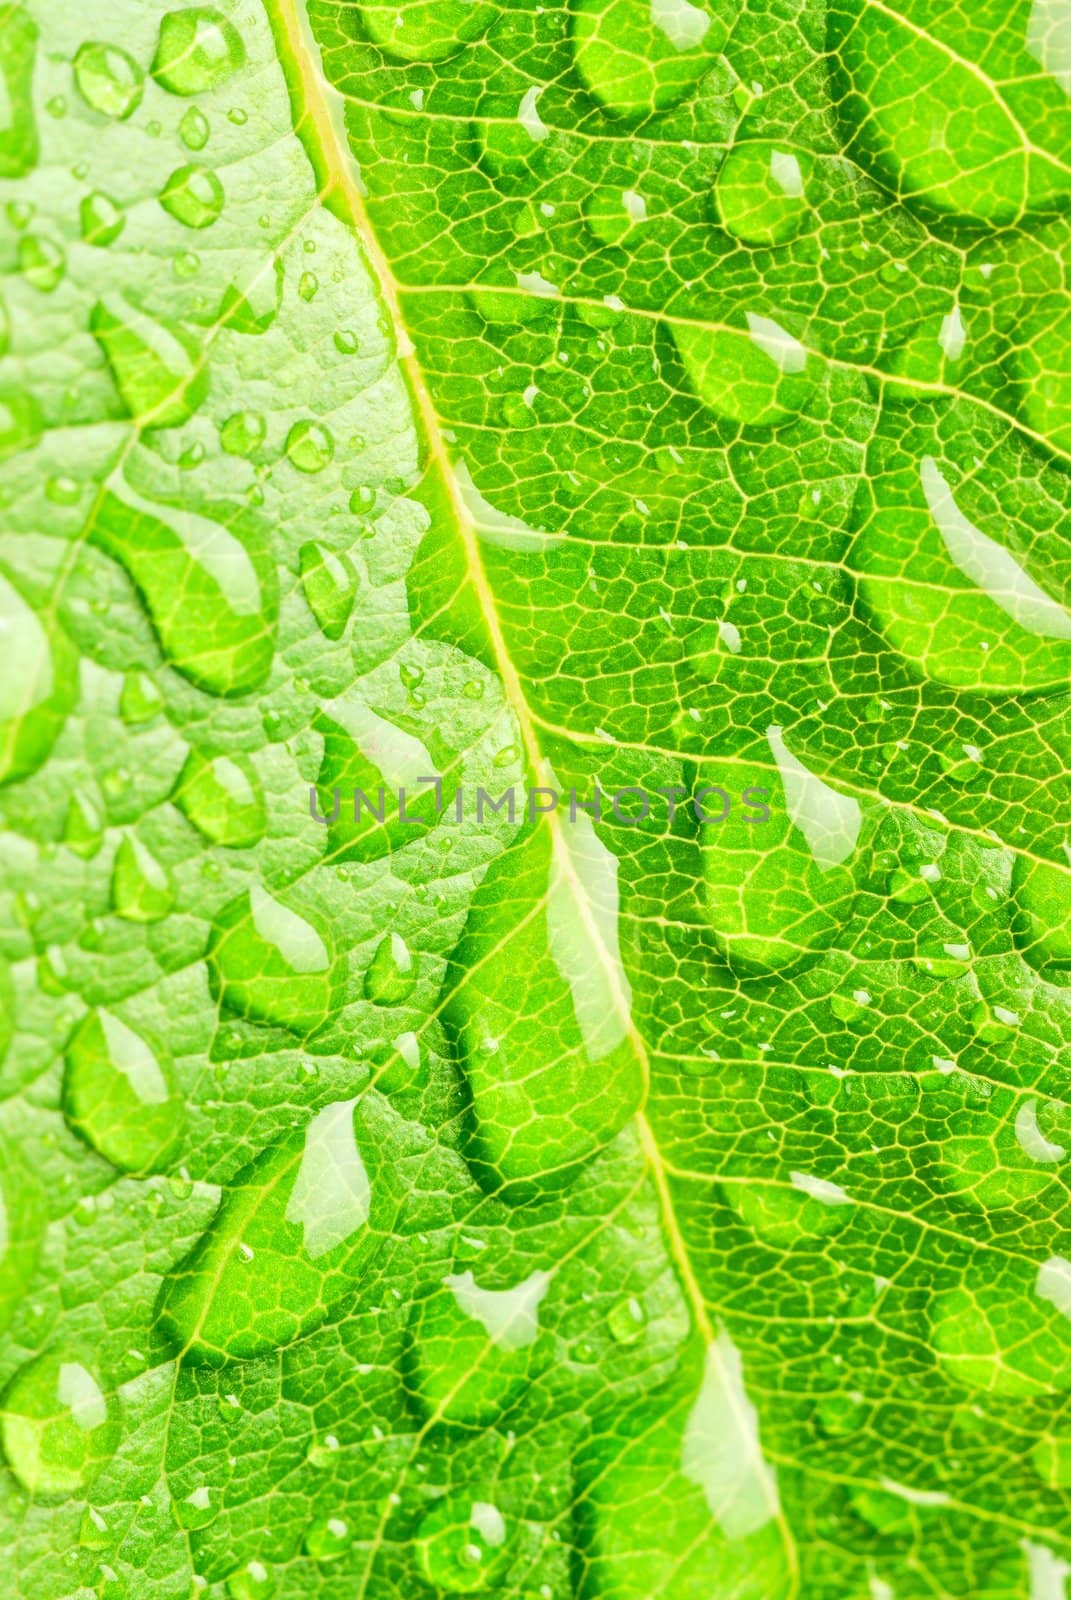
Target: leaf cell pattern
661	405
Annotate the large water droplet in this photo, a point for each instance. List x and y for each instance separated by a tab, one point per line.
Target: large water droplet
309	446
38	686
108	80
193	195
210	589
1009	1337
785	1214
370	761
537	1006
100	219
18	126
254	1581
291	1237
1042	920
761	377
949	576
120	1094
959	112
158	369
198	1509
42	262
141	890
57	1427
778	891
243	433
198	50
473	1349
463	1544
642	56
327	1538
426	30
223	799
679	1482
269	964
330	585
761	192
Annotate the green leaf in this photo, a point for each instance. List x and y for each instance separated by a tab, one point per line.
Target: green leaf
534	750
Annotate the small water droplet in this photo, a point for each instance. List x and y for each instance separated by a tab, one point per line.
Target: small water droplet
101	220
141	890
194	128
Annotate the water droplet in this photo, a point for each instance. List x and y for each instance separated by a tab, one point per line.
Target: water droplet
641	56
101	219
157	368
627	1322
57	106
327	1538
552	990
760	192
108	80
1012	1337
194	129
609	215
254	1581
330	585
268	963
223	799
141	890
251	303
57	1427
293	1234
426	30
762	377
83	831
919	90
308	284
1042	922
194	196
211	590
473	689
778	891
309	446
139	699
362	501
198	1509
942	582
783	1215
347	342
391	972
198	50
39	686
42	262
18	134
93	1532
463	1545
119	1094
243	433
370	761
